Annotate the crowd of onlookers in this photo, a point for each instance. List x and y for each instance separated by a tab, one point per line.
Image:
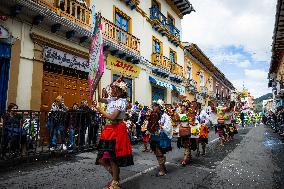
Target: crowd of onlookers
75	128
275	121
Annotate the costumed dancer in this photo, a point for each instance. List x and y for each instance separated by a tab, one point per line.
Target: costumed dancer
145	132
219	129
160	127
194	127
184	134
114	148
204	130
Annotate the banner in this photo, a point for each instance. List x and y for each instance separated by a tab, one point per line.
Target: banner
96	60
123	67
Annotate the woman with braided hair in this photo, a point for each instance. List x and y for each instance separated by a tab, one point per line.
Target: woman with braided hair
114	148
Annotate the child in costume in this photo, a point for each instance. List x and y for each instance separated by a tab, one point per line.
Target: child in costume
145	132
194	138
114	148
184	134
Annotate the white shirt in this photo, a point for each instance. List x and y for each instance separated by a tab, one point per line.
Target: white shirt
166	123
117	104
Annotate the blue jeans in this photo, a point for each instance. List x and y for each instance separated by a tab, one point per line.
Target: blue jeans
55	129
71	137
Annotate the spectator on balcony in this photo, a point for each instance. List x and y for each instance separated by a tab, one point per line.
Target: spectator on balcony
13	134
56	122
72	125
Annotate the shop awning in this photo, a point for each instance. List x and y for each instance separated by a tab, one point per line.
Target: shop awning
180	90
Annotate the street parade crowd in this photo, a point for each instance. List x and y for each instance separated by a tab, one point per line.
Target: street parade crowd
118	125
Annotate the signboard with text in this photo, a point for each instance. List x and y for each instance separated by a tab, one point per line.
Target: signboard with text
122	67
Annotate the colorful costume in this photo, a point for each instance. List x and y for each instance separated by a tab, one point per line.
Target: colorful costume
114	142
184	137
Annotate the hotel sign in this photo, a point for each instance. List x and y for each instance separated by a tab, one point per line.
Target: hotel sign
122	67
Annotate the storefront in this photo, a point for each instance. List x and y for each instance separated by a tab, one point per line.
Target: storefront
64	74
160	88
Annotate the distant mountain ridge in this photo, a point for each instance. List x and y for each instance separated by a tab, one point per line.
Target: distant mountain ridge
258	101
263	97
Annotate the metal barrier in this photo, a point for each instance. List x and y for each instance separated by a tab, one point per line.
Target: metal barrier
27	133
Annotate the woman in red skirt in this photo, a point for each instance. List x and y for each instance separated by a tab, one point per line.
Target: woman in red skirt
114	148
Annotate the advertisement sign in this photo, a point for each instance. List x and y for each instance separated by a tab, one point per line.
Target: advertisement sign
123	67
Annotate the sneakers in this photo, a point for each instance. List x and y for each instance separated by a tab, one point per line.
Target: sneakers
64	147
52	148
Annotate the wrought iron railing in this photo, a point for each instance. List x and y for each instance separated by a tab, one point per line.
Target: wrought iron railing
173	30
155	14
28	133
161	61
176	69
121	37
77	12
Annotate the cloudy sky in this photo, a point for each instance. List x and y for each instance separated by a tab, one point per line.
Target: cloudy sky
237	36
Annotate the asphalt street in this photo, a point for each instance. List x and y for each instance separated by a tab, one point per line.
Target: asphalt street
253	160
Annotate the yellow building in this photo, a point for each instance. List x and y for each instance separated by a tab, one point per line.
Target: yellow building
205	82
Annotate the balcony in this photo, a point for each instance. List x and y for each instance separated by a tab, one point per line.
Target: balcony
161	61
120	36
159	23
132	3
204	90
72	10
191	86
165	67
176	69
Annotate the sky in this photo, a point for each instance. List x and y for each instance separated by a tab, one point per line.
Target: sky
236	35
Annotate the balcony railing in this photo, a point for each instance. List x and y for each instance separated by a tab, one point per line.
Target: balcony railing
161	61
176	69
165	63
173	30
120	36
155	14
72	10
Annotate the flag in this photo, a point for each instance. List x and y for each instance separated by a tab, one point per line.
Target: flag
96	59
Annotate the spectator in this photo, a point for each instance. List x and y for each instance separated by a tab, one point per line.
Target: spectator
85	121
56	122
72	120
14	136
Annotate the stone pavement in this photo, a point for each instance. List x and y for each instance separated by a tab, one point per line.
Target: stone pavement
246	162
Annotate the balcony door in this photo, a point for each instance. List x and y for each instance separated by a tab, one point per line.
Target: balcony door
122	22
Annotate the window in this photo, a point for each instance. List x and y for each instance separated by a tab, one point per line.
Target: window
129	84
173	56
189	72
202	79
157	46
121	21
211	84
217	88
171	20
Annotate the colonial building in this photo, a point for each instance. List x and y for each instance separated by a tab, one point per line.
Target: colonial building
204	81
276	71
143	42
44	52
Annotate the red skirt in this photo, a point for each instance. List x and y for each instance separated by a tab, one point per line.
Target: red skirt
115	144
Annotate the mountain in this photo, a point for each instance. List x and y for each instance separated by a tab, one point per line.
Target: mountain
258	101
264	97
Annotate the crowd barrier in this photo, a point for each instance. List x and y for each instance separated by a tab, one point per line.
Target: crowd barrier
25	133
